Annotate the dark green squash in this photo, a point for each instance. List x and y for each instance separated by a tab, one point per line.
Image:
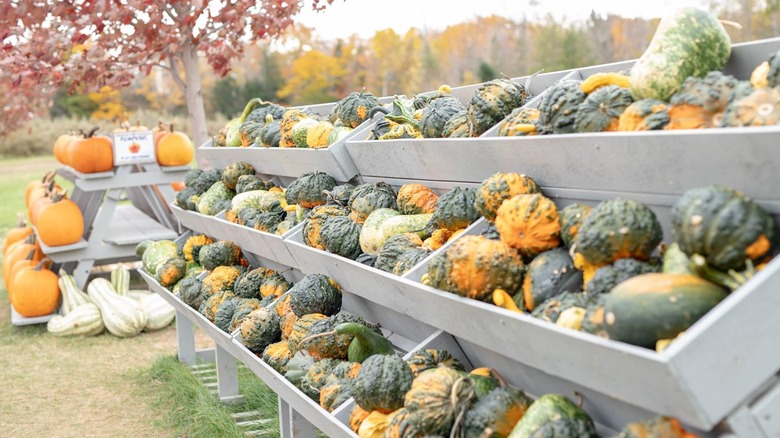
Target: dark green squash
190	292
601	109
297	367
723	226
650	307
571	219
312	226
498	188
244	308
222	253
335	338
248	284
423	360
249	132
353	109
554	415
231	173
474	266
485	381
322	343
267	221
393	248
277	355
271	134
334	394
644	115
211	304
436	115
382	383
369	197
248	183
493	101
367	259
193	244
455	210
316	377
400	427
308	190
340	195
206	179
214	199
550	309
495	415
341	235
274	285
618	229
260	329
409	259
170	271
558	107
610	276
315	293
761	107
191	176
549	274
263	109
345	371
225	313
700	102
184	198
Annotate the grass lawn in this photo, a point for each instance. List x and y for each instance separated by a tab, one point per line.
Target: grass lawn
103	385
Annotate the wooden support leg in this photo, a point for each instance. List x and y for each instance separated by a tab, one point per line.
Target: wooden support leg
185	336
292	424
81	273
227	377
743	424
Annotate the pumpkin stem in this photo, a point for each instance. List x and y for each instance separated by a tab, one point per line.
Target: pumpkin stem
41	264
731	279
91	132
31	254
57	196
580	398
733	24
21	223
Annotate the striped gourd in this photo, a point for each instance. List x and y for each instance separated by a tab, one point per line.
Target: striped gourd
159	314
84	320
123	316
120	279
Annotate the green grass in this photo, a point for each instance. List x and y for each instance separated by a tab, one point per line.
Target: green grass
193	412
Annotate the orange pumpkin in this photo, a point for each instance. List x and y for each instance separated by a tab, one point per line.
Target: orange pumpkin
178	186
91	154
30	261
160	130
19	251
39	204
61	146
35	291
60	222
48	177
529	223
16	234
174	148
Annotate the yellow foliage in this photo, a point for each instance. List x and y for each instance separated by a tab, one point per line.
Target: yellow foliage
109	104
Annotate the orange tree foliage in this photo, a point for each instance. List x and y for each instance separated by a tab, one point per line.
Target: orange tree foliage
95	43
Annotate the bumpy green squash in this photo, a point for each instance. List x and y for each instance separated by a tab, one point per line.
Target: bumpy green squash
312	227
455	210
689	42
316	377
601	110
211	304
550	273
382	383
205	180
190	292
497	412
288	121
211	202
220	279
650	307
409	259
232	172
552	308
571	219
154	253
416	199
644	115
369	197
759	108
244	308
193	244
297	367
498	188
556	416
457	126
353	109
474	266
558	107
334	394
340	195
277	355
225	312
434	399
491	102
618	229
271	134
610	276
520	122
307	190
260	329
436	115
221	253
341	235
393	248
700	102
724	226
170	271
301	329
423	360
315	293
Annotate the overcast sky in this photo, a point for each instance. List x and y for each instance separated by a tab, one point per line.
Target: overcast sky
365	17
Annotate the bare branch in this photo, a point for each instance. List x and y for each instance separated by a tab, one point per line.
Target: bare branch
175	73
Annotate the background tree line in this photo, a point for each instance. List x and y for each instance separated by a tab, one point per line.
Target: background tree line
300	68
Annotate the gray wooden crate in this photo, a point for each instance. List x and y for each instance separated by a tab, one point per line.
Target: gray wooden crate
291	162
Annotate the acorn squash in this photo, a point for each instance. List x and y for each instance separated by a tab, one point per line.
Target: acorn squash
315	293
340	235
495	414
498	188
382	383
610	276
529	223
369	197
312	227
601	109
550	273
491	102
558	107
455	210
393	248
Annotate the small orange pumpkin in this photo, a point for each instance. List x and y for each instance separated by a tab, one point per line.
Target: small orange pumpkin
29	261
19	251
174	148
178	186
529	223
35	291
31	187
60	222
61	146
91	154
16	234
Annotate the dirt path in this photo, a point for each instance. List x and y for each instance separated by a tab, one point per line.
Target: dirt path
75	387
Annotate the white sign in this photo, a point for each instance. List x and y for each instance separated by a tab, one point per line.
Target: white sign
134	147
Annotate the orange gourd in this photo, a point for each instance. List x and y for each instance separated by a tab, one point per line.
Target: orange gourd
60	222
91	154
36	292
16	234
174	148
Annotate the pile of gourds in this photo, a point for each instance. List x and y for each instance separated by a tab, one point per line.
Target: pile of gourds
108	305
601	269
675	84
266	124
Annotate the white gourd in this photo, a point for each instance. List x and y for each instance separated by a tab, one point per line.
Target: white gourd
72	296
120	279
159	314
137	294
123	316
84	320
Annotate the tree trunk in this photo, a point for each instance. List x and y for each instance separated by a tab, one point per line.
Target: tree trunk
194	96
